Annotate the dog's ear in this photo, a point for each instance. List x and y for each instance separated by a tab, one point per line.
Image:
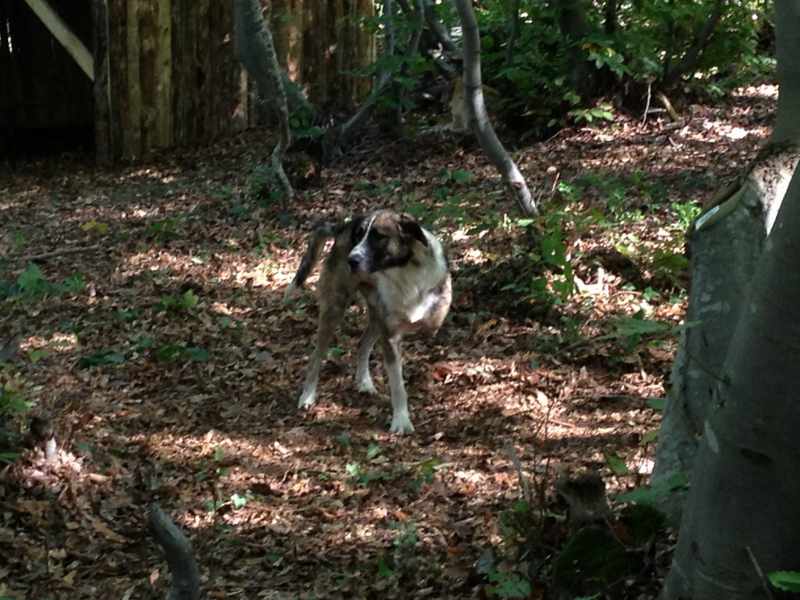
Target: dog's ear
410	227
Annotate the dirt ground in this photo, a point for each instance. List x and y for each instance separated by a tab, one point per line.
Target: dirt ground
154	342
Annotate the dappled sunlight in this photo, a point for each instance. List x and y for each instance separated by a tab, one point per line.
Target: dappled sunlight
764	91
57	342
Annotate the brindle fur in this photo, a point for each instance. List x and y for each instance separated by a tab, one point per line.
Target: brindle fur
400	271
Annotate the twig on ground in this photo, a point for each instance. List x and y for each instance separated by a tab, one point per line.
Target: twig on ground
760	573
523	481
54	253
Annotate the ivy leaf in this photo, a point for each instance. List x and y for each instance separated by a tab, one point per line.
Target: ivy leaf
788	581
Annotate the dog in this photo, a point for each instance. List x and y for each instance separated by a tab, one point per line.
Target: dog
400	270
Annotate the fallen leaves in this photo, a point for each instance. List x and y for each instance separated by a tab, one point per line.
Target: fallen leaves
175	375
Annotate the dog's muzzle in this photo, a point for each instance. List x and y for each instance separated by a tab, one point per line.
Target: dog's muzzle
357	262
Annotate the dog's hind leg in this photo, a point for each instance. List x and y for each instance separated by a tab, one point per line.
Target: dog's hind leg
401	422
365	346
334	298
329	318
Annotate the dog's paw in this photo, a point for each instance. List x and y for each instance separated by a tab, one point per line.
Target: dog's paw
367	387
306	400
401	424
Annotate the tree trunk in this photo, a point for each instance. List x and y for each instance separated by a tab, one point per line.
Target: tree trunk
257	54
741	517
725	245
438	29
574	29
690	60
513	32
478	117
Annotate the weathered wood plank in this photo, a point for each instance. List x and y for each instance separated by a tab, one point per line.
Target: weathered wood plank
163	73
102	85
133	129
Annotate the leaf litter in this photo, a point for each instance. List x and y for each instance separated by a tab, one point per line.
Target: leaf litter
168	369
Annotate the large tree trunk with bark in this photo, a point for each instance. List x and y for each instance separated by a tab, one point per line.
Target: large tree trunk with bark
725	245
257	54
741	520
479	118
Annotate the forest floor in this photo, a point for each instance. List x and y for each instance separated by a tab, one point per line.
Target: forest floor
141	313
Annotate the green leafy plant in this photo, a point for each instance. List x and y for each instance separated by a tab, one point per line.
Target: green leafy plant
263	187
163	230
240	501
364	476
101	358
788	581
601	112
652	495
616	464
32	285
172	352
406	534
685	213
186	302
425	473
12	400
635	327
508	584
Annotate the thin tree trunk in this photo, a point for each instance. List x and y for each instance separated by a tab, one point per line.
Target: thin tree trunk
691	58
610	16
574	29
741	517
438	29
257	54
478	117
513	33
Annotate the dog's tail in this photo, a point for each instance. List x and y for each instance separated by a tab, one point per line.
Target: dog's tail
316	244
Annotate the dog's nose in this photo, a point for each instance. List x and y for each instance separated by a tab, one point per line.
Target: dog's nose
353	262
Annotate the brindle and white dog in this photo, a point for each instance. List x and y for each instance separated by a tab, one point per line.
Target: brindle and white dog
401	272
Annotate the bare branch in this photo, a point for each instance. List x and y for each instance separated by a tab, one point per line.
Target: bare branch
178	552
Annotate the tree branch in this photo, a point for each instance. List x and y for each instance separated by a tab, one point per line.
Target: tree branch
178	552
692	56
478	117
256	52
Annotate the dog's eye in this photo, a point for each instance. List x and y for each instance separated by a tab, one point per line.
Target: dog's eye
379	238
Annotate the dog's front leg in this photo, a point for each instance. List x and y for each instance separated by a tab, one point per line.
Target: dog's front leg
401	422
365	346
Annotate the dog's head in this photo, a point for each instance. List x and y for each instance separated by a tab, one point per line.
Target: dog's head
382	240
